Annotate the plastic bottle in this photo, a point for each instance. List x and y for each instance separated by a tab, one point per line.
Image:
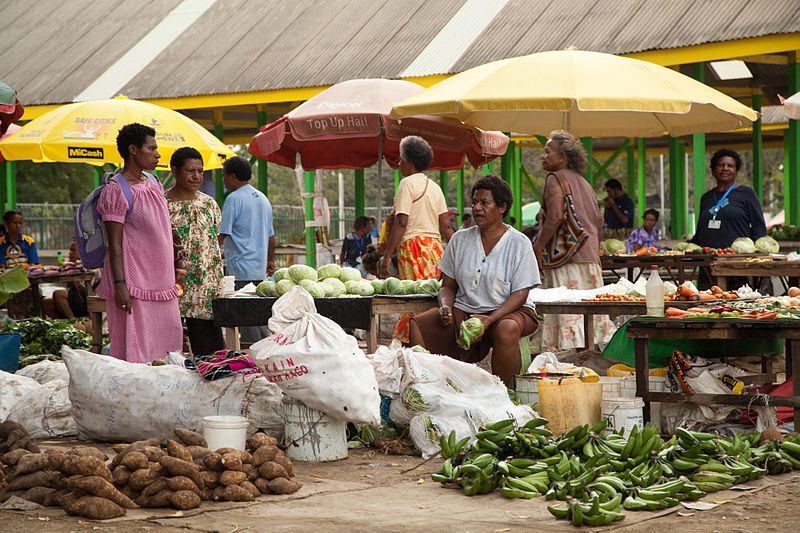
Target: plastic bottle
60	259
654	291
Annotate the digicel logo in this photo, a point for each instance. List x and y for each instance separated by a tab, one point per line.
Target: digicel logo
77	152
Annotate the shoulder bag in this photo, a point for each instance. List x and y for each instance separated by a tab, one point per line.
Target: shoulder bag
570	235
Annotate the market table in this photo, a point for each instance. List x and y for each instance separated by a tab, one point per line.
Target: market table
676	266
732	266
81	277
643	328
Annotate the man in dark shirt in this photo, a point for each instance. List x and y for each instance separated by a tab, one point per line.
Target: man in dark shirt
355	243
618	206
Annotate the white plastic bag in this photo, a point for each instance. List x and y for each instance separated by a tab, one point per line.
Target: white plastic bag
45	371
548	362
117	400
46	412
313	360
12	389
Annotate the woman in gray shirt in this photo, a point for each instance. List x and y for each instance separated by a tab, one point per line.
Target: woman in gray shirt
487	271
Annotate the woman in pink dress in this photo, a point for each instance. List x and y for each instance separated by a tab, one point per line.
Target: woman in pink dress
140	273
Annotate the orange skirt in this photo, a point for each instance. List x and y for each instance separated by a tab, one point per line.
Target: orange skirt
417	258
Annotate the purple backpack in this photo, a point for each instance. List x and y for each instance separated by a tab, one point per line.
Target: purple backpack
90	234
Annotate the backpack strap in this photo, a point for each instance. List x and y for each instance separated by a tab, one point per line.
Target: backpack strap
120	180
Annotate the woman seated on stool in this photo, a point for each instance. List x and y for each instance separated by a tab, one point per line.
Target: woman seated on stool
69	302
487	272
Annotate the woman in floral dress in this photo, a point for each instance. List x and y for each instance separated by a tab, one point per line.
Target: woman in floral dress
196	217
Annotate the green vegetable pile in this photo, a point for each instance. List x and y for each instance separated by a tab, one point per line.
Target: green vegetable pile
597	475
40	336
785	232
470	329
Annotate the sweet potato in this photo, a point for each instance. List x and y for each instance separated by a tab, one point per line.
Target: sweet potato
88	451
139	445
155	487
232	477
286	463
100	487
33	447
185	499
32	462
252	489
213	461
41	478
160	499
21	444
58	480
251	471
223	451
210	479
281	485
7	427
6	494
260	439
198	452
216	495
134	461
38	494
272	470
182	483
120	476
130	493
96	508
139	479
11	458
51	498
153	453
235	493
177	467
177	450
119	447
232	461
190	438
12	438
262	485
264	454
207	495
86	466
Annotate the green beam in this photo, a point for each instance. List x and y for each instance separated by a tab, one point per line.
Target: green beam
516	191
677	195
758	152
789	205
794	150
630	160
587	146
460	194
530	182
359	191
311	240
488	168
397	178
542	139
641	178
2	189
443	184
698	149
263	172
97	176
220	190
603	169
11	184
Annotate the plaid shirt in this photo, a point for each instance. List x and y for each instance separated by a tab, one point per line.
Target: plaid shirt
642	238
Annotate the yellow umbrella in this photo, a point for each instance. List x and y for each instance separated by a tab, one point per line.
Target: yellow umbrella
86	132
585	93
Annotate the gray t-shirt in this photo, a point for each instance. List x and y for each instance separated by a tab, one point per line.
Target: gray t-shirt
486	282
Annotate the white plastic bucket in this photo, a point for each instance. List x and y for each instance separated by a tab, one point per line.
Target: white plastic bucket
527	389
610	386
310	435
622	413
627	387
657	384
225	431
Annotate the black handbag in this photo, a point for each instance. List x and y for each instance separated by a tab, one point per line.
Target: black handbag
570	235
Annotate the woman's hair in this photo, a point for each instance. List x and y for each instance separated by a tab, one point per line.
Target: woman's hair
239	167
726	152
501	192
371	259
360	222
650	212
183	153
132	134
570	146
416	151
9	215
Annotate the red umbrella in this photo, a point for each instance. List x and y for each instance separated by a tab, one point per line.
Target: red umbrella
348	126
12	128
10	108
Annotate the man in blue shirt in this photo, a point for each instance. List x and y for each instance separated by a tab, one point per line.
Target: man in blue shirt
618	206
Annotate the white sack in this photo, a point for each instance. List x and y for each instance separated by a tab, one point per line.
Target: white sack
313	360
386	362
12	389
45	371
46	412
120	401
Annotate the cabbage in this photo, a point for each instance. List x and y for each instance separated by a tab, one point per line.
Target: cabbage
613	246
410	286
314	288
336	286
329	271
359	288
419	349
469	330
692	248
281	273
767	245
298	272
377	284
681	246
283	286
350	274
743	245
266	289
393	287
428	286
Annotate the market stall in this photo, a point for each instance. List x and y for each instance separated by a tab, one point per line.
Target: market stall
676	267
35	281
754	266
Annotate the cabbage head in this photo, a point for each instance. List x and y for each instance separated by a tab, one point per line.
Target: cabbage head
377	284
283	286
428	286
281	273
410	286
767	245
350	274
692	248
314	288
743	245
298	272
359	288
681	246
613	246
266	289
393	287
336	286
329	271
468	332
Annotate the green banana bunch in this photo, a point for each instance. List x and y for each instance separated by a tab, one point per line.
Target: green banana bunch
450	447
592	513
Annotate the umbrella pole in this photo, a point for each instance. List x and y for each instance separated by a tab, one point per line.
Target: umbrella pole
380	172
311	241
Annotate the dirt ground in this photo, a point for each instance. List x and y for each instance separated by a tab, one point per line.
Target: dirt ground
370	491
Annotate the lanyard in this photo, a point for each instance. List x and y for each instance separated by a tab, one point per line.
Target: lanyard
360	245
717	207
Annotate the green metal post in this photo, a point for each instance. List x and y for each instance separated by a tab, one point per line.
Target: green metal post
793	190
2	189
630	160
443	184
676	216
263	172
683	190
397	178
788	203
758	153
488	168
11	184
698	149
516	208
218	133
359	191
311	240
587	146
506	171
641	177
97	175
460	194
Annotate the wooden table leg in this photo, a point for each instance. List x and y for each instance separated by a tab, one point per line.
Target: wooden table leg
792	362
588	331
37	298
232	338
372	334
642	373
97	331
766	365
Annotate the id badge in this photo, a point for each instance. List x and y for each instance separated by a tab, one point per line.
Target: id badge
714	223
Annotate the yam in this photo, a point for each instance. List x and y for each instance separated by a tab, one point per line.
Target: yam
207	495
96	508
119	447
135	461
235	493
260	439
6	494
41	478
252	489
139	445
38	494
185	499
86	466
182	483
190	438
7	427
271	470
120	476
262	485
88	451
232	477
223	451
153	453
51	499
58	480
198	452
232	461
286	463
213	461
139	479
32	462
56	460
264	454
21	443
177	450
155	487
100	487
11	458
160	499
284	486
130	493
252	472
33	447
177	467
210	479
216	495
12	438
